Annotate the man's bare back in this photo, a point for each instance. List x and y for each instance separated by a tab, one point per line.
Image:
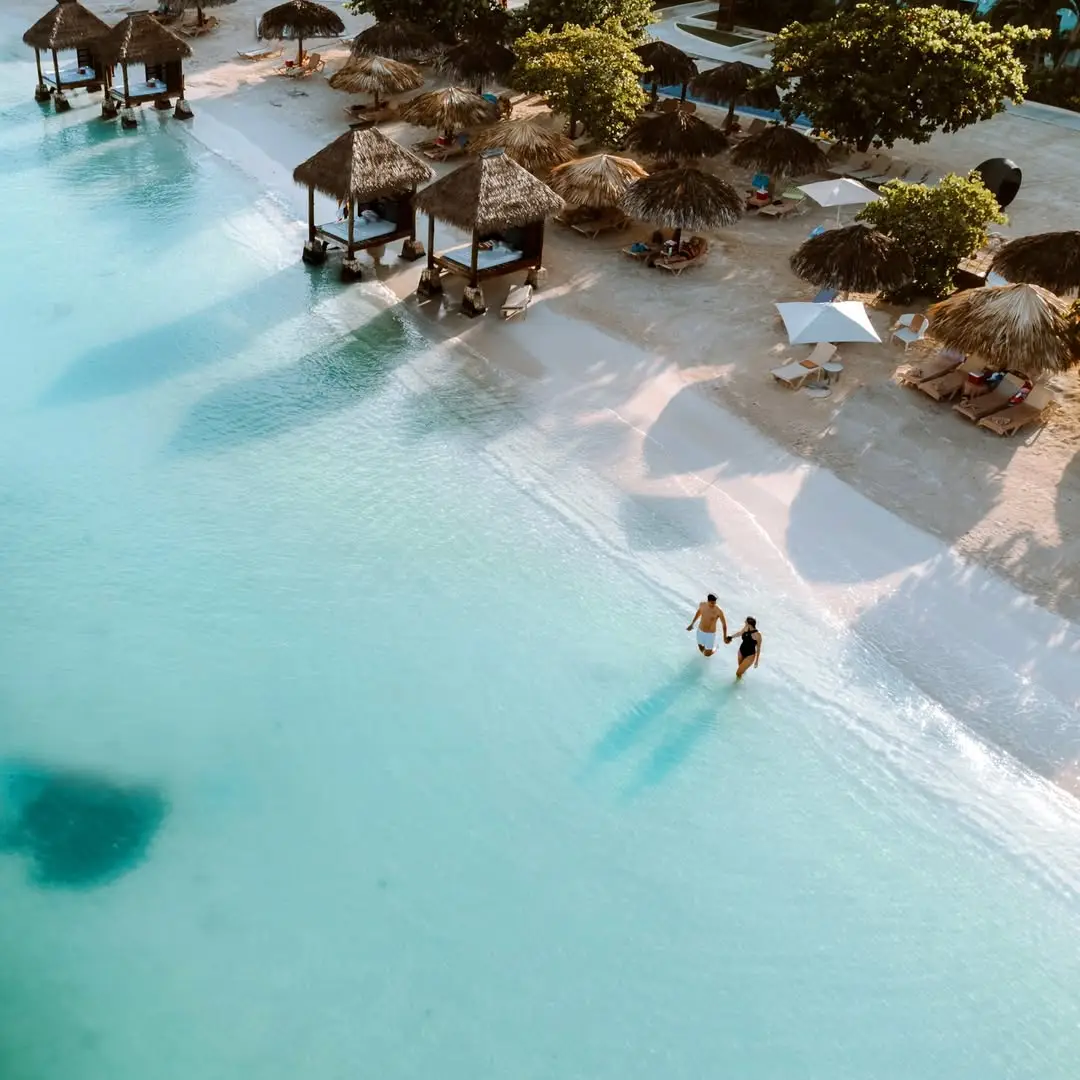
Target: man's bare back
709	613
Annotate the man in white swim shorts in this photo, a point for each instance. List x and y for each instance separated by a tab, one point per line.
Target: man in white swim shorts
710	615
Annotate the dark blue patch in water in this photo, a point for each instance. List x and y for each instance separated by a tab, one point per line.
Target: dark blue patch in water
77	830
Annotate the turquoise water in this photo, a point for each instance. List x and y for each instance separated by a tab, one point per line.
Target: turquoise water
348	728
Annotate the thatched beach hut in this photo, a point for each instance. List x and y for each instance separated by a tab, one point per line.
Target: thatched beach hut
1009	327
592	187
780	151
299	21
853	259
376	75
1051	260
375	179
684	198
665	65
67	27
477	62
735	83
675	134
504	207
141	39
532	145
448	109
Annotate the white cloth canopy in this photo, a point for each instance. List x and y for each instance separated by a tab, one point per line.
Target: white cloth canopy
845	320
844	192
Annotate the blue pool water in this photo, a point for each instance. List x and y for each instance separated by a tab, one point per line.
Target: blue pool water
348	729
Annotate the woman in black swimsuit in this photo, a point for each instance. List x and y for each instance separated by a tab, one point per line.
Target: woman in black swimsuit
749	647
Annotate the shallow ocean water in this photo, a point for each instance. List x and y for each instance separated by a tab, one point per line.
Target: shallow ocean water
438	785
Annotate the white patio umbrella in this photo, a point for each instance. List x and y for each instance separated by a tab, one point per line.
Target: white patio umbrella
843	192
845	320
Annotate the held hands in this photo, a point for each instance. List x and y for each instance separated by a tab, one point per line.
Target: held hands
727	640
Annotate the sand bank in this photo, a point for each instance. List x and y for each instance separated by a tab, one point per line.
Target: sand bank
805	492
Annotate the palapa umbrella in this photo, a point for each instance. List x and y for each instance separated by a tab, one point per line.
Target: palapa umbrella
396	38
779	151
1009	327
376	75
736	84
843	192
846	320
683	198
477	61
446	109
531	145
298	20
597	182
1051	260
665	65
855	259
675	135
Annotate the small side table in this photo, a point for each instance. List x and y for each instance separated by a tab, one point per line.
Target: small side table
833	370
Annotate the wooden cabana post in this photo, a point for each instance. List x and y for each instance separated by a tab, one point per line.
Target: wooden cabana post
503	207
376	180
67	27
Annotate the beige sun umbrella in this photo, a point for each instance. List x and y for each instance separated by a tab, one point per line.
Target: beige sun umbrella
446	109
299	20
597	182
1051	260
376	75
531	145
1015	327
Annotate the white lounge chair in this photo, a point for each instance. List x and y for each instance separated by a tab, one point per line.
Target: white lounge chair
517	301
910	328
266	52
796	372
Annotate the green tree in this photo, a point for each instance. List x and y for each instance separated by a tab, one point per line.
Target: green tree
1044	15
937	226
447	19
881	72
632	16
591	75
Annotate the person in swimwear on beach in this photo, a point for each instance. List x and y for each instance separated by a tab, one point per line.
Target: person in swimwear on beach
710	615
749	647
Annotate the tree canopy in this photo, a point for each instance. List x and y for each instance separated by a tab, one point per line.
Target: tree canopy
447	19
589	74
937	227
632	16
877	71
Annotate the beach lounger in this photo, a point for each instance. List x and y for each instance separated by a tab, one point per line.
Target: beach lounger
946	387
268	52
795	373
918	174
933	368
607	221
878	164
195	29
896	171
312	62
517	301
780	208
1033	409
992	401
641	251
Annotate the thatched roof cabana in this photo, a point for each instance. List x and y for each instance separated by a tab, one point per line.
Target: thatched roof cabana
373	177
598	182
477	62
665	65
854	259
684	198
68	25
446	109
735	83
300	20
675	135
141	39
398	39
502	205
1009	327
780	151
531	145
376	75
1051	260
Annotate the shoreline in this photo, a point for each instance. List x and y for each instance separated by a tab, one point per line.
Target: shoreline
967	637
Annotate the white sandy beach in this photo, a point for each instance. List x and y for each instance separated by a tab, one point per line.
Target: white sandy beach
955	553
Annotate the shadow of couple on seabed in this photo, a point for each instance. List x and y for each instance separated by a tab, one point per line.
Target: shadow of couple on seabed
690	704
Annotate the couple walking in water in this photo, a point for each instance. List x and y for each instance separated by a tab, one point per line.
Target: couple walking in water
708	614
